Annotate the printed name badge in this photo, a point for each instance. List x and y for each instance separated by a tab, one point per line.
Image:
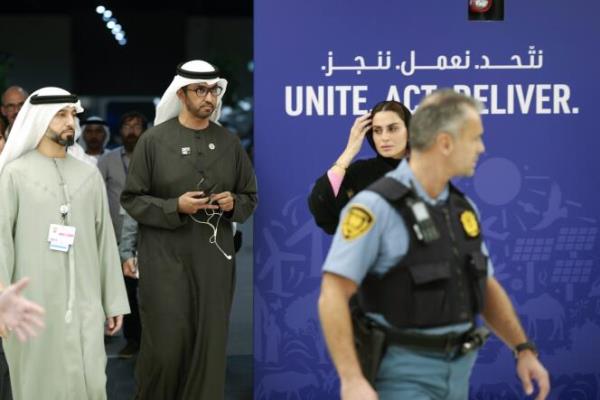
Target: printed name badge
61	237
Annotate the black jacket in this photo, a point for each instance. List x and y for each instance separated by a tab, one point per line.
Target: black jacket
326	207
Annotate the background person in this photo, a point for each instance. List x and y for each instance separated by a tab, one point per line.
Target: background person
386	130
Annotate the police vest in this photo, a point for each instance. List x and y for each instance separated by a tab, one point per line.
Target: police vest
437	283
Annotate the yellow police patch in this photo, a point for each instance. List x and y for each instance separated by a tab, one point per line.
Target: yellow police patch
469	223
357	222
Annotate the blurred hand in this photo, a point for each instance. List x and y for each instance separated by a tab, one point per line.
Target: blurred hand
225	200
113	324
529	368
130	268
190	202
357	389
18	314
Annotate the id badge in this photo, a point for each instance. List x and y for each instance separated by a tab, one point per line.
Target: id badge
61	237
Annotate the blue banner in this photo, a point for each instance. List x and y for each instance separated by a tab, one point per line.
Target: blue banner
319	64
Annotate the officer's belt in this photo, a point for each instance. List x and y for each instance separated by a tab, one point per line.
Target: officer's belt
453	342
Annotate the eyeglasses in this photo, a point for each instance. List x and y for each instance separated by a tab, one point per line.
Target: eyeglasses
202	91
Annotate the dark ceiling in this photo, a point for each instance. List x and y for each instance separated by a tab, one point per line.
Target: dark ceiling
157	39
242	8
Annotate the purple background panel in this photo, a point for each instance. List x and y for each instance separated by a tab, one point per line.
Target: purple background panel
537	185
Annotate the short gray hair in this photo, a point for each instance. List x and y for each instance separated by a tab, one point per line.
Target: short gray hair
442	111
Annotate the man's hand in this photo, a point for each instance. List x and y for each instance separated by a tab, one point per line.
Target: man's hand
190	202
529	368
225	200
357	389
113	324
19	315
130	268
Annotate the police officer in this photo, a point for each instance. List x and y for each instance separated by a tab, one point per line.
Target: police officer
409	253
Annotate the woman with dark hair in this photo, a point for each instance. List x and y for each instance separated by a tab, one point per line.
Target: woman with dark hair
386	130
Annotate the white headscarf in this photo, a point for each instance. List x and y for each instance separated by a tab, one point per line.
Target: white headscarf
32	122
77	151
188	73
90	121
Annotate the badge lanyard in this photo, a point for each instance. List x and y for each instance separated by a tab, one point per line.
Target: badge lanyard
64	211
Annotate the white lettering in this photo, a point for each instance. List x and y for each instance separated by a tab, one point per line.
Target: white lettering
358	99
494	109
524	102
541	98
323	100
289	110
478	94
562	93
393	94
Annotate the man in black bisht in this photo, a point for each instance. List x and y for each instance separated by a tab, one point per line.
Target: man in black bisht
189	179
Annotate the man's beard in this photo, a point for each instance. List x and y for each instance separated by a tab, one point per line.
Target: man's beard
55	137
129	142
200	112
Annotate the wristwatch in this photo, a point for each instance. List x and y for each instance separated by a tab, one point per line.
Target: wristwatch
525	346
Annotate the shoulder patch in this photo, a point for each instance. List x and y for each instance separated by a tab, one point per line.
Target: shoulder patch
469	223
357	222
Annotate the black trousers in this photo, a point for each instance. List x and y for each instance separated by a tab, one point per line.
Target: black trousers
132	328
5	391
